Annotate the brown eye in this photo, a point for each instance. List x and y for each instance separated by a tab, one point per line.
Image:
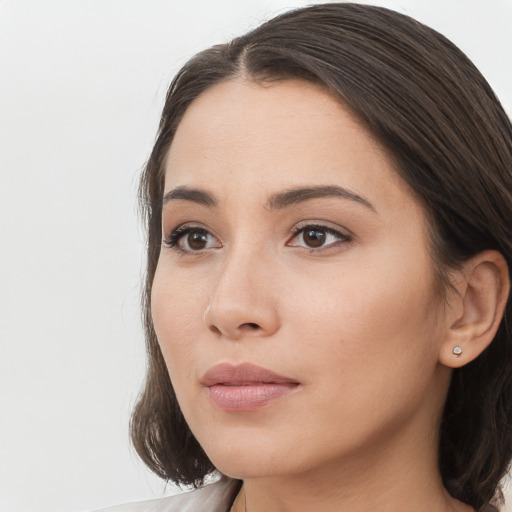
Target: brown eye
314	237
197	240
318	237
191	239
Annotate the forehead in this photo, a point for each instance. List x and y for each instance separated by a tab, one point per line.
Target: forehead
262	137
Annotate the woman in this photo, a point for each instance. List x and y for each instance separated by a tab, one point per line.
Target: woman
329	212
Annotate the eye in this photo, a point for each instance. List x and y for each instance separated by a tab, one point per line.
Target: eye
317	237
191	239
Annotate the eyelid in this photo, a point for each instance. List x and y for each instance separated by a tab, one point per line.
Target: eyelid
343	235
320	224
172	240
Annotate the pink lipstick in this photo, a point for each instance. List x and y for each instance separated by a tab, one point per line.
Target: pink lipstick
245	387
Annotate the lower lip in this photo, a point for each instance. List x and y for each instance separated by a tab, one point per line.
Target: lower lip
247	397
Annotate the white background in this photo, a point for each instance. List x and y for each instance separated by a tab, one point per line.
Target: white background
81	88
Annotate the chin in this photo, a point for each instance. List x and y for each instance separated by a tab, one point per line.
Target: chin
251	453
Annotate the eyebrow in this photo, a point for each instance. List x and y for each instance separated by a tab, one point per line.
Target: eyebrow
190	194
276	201
301	194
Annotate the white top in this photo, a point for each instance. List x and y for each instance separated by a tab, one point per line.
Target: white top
215	497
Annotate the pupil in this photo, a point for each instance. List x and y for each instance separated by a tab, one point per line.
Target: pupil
197	241
314	238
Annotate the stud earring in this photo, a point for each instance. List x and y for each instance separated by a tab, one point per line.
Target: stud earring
457	351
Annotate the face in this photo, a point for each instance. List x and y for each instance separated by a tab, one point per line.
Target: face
294	295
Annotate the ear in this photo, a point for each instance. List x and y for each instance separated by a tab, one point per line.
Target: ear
475	308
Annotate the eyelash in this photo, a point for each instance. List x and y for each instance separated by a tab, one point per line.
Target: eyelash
173	239
341	236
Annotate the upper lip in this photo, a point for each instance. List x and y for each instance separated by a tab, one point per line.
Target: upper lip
242	374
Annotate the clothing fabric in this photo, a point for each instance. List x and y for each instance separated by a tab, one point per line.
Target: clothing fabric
216	497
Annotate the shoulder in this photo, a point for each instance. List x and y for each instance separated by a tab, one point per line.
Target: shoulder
215	497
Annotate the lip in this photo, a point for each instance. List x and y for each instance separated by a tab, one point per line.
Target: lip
245	387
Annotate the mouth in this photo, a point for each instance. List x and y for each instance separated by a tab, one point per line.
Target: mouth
245	387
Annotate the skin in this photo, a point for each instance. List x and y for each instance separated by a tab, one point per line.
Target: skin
356	322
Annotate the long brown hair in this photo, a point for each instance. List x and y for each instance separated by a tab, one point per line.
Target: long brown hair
451	141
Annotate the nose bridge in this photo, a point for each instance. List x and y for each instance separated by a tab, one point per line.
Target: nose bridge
242	301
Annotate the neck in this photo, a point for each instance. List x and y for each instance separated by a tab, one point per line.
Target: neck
402	475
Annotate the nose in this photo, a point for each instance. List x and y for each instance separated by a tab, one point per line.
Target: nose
244	299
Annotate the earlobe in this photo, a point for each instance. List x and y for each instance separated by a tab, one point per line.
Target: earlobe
475	310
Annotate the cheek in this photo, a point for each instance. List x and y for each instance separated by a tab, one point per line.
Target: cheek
367	318
177	321
367	346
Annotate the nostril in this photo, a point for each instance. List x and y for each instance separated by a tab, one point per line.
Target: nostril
215	329
250	326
